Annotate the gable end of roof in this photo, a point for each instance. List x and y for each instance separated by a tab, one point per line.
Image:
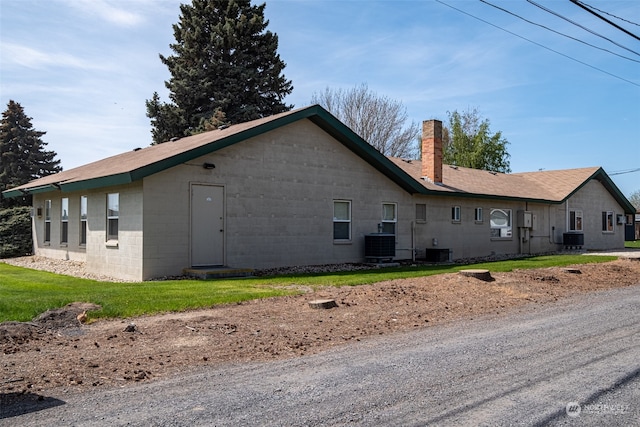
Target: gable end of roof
315	113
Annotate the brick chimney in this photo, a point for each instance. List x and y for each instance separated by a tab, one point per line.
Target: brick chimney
432	150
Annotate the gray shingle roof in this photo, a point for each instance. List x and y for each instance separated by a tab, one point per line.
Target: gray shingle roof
547	186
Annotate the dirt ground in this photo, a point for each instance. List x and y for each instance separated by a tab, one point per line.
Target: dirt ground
56	350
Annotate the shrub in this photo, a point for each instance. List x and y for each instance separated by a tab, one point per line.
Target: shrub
15	232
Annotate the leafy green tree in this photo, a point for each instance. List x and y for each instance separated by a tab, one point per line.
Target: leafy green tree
377	119
22	153
468	142
224	62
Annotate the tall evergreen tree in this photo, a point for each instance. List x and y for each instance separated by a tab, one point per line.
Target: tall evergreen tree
22	153
22	158
224	63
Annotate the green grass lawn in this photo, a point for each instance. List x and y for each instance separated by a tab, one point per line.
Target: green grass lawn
635	244
25	293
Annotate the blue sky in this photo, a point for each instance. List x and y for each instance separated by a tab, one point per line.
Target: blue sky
82	69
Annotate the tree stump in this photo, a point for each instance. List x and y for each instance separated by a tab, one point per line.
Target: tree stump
480	274
323	303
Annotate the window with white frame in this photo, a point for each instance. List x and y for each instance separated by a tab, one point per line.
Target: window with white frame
113	215
47	221
83	220
501	223
421	212
478	215
455	213
389	217
575	220
608	222
64	220
341	220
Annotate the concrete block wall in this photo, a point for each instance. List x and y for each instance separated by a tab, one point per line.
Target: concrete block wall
279	193
593	199
123	261
72	250
466	238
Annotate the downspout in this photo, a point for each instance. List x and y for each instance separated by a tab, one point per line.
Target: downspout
413	241
552	235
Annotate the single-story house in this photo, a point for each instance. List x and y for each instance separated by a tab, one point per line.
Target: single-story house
301	188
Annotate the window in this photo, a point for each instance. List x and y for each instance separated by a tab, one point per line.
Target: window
47	221
341	220
64	220
421	212
607	222
389	218
500	223
575	220
83	220
113	212
455	213
478	215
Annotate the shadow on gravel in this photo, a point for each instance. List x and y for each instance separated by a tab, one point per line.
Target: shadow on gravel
15	404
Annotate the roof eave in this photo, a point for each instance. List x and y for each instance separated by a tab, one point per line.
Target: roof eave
428	192
22	191
610	186
318	115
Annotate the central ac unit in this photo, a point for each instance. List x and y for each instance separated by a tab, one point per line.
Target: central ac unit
380	246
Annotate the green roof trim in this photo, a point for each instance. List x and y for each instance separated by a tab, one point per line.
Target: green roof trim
611	187
318	115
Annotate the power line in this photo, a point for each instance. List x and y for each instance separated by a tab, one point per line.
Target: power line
538	44
581	26
625	172
558	32
585	7
610	14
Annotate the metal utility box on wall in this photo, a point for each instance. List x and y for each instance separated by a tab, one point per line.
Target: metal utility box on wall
525	219
380	246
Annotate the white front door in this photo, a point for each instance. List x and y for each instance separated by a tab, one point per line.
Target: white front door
207	225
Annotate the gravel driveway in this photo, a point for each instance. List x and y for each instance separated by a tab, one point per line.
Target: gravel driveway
520	369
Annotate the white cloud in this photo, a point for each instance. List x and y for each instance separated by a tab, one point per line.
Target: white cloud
26	56
116	12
